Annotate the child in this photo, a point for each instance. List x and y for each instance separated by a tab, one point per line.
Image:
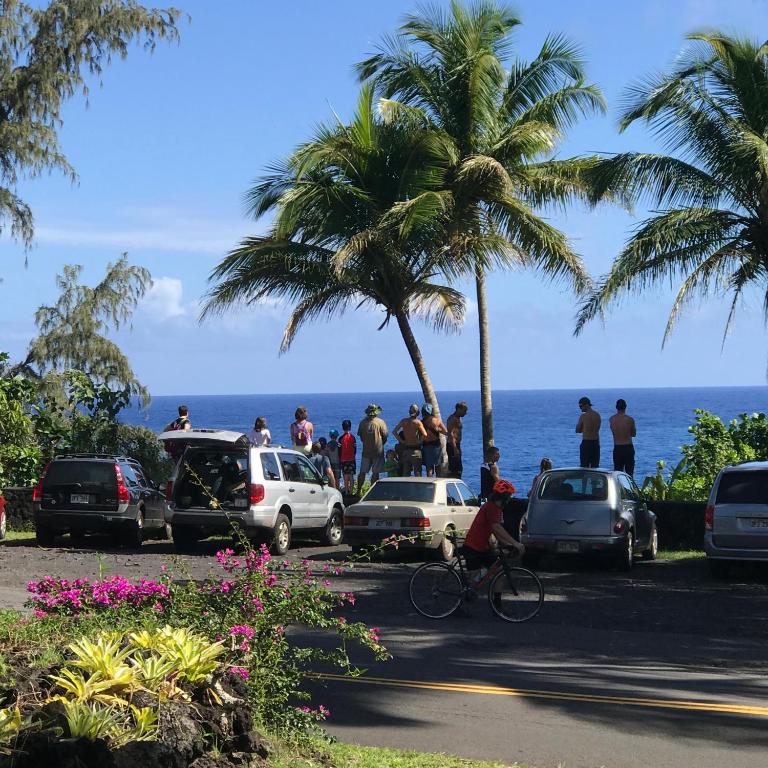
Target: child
391	464
260	435
332	452
347	454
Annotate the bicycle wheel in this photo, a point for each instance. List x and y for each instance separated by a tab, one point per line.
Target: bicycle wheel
435	590
516	595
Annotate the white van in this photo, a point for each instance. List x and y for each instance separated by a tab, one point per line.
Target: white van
268	492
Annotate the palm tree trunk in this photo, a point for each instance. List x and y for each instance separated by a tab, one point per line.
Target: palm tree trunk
418	362
486	397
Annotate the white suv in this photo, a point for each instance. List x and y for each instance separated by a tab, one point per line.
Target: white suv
268	491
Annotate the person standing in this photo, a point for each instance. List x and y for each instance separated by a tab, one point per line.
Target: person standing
175	448
322	464
431	450
588	426
623	429
332	452
373	433
301	431
453	446
410	433
544	466
347	456
260	435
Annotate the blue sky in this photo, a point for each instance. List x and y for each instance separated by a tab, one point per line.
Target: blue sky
167	148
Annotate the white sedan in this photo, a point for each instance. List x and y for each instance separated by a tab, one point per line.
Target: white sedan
421	508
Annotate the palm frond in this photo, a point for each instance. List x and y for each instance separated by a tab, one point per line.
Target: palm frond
440	306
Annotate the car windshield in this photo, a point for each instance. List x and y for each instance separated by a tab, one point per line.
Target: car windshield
423	492
743	488
80	473
576	485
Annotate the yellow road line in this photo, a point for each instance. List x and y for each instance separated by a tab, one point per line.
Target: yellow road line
495	690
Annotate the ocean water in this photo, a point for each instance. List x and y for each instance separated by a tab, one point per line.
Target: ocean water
528	424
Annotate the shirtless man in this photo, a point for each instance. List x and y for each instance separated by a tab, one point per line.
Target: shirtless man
410	433
588	426
623	428
453	447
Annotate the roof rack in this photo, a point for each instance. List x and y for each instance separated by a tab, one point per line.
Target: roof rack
112	456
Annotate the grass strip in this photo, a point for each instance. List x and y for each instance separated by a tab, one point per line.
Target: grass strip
681	554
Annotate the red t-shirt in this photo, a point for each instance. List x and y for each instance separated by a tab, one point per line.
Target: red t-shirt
479	533
347	447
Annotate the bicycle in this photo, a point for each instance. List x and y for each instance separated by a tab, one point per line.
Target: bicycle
515	593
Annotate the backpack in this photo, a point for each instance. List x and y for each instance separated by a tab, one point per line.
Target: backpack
300	435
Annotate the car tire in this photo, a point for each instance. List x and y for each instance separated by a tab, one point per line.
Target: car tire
3	525
334	530
719	569
446	550
44	536
132	535
653	549
185	538
163	533
281	535
627	558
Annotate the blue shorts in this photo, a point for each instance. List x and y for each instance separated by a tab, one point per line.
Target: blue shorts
432	455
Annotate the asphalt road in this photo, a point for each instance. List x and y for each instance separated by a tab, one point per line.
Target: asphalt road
663	667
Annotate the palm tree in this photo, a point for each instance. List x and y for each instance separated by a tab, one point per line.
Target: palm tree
712	229
504	126
358	210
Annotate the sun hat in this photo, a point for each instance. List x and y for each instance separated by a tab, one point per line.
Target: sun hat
372	410
427	409
584	401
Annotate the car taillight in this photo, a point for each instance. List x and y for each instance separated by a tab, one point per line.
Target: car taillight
416	522
257	493
709	517
37	493
352	520
169	490
620	527
122	491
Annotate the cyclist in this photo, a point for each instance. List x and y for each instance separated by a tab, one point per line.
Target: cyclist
489	520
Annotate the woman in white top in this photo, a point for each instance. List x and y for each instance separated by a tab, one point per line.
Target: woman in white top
260	435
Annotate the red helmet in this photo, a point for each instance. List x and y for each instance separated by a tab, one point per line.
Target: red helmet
503	487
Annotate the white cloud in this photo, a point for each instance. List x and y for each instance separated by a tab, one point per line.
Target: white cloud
164	299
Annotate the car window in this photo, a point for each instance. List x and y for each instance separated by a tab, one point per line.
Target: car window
627	490
469	496
308	472
82	472
269	466
129	475
743	488
140	476
290	464
402	491
452	495
576	484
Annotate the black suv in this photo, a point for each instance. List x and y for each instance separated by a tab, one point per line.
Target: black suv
88	493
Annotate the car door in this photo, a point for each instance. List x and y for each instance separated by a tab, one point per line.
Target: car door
629	506
153	499
298	489
318	493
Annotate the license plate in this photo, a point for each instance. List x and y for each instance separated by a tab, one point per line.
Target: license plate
241	503
567	546
79	498
383	523
759	522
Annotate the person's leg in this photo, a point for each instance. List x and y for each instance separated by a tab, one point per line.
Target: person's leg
416	462
596	454
629	463
364	464
618	459
584	454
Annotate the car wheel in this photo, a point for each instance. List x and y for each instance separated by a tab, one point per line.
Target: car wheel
185	538
44	536
163	533
334	530
3	525
719	569
133	534
628	554
281	535
653	549
447	549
